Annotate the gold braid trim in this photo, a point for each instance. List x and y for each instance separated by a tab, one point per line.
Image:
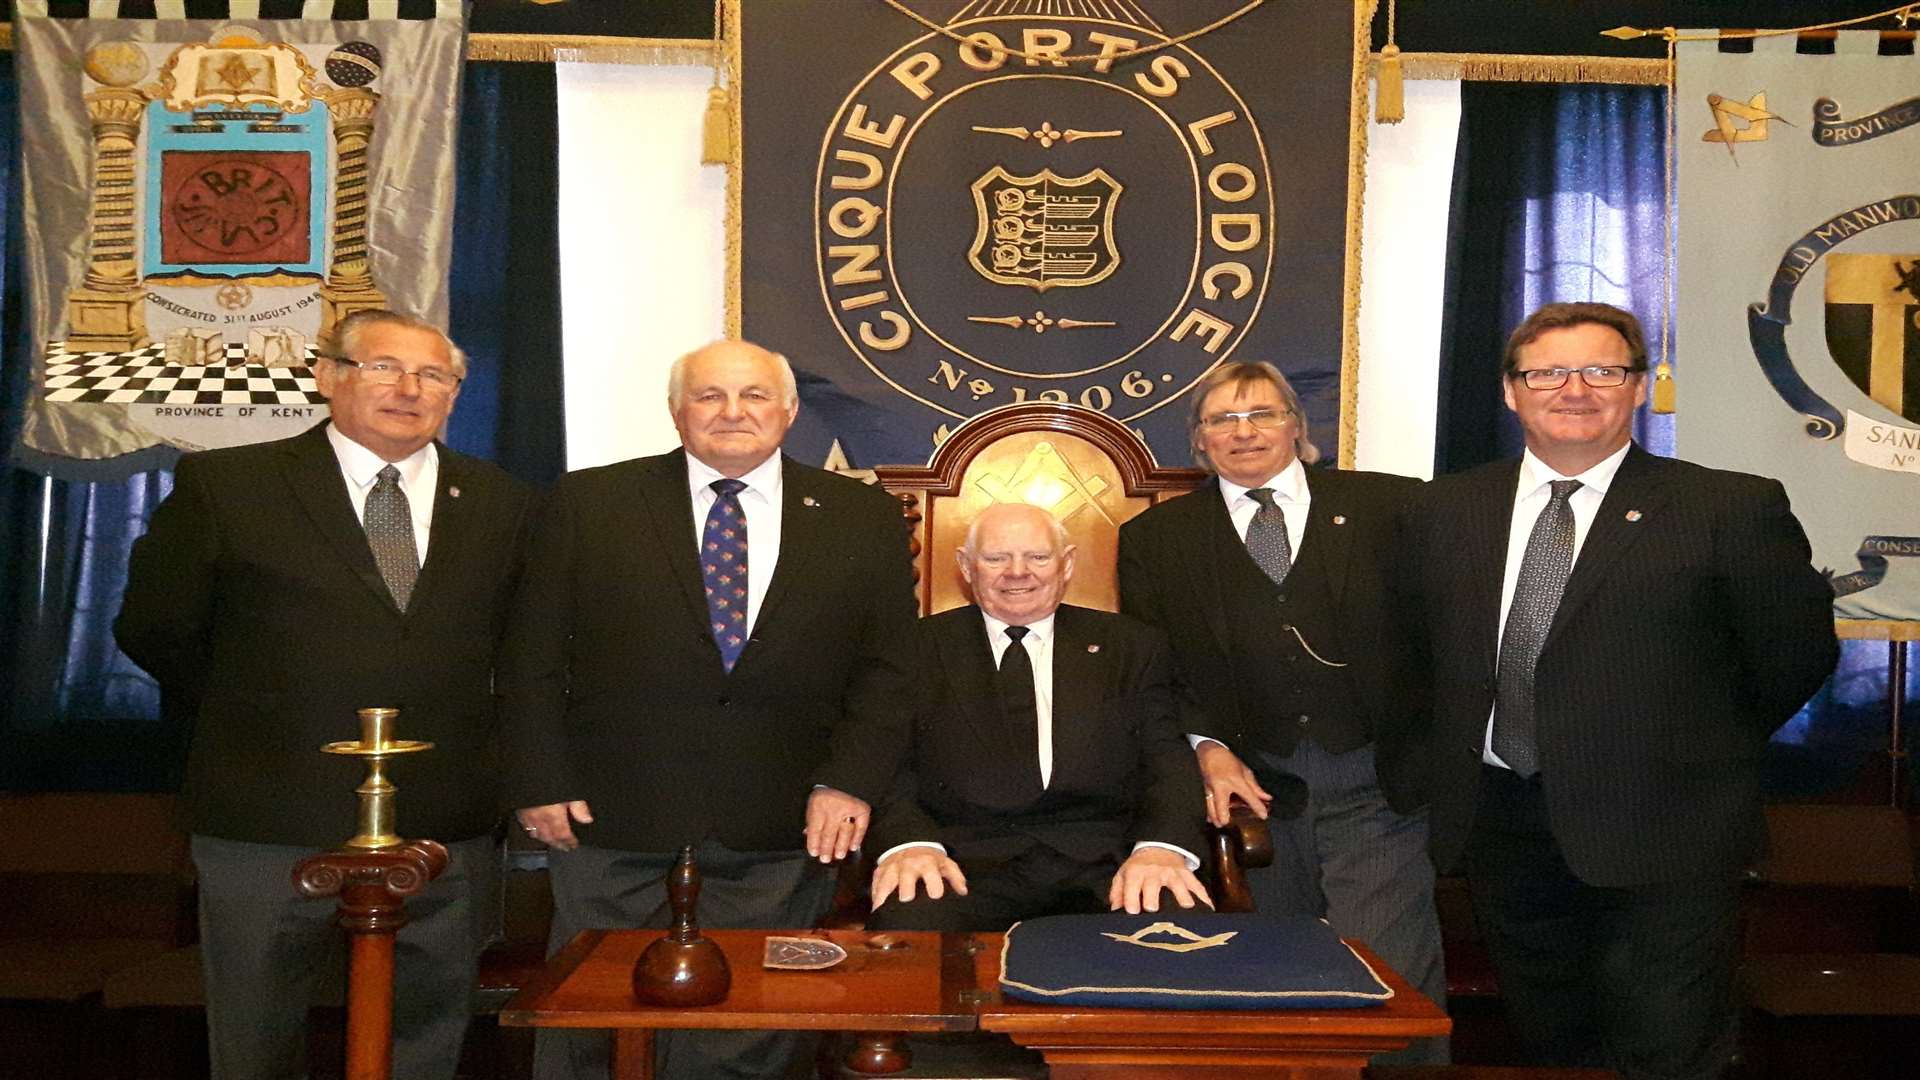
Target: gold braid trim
1877	629
736	171
1356	200
590	49
1521	67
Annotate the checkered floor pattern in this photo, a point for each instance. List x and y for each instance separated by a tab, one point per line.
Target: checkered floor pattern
143	376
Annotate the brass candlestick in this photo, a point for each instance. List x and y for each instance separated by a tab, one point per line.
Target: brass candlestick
376	745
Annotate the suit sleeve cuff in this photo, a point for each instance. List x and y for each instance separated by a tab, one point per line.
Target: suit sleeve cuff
1193	862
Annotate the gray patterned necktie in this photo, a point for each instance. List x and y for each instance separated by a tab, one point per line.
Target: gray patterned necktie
1536	596
389	523
1267	536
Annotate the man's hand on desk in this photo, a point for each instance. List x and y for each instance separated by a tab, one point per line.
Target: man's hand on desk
836	823
923	867
552	824
1137	884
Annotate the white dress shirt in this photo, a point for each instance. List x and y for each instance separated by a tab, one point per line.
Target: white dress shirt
1530	496
760	501
1039	645
419	479
1291	495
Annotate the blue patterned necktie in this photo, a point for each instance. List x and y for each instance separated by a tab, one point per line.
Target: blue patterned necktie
723	567
1536	596
389	525
1267	536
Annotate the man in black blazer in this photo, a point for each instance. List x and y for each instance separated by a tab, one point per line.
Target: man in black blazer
1613	637
660	693
1047	781
269	614
1273	582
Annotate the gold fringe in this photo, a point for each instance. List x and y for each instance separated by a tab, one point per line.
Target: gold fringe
1877	629
1356	196
1520	67
590	49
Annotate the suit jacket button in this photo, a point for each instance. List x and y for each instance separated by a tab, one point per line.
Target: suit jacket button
1280	597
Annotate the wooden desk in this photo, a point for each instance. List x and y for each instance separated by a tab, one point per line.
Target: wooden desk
950	983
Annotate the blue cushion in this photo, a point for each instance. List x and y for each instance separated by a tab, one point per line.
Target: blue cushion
1185	960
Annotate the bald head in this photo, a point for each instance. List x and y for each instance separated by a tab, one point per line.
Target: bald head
1017	562
732	402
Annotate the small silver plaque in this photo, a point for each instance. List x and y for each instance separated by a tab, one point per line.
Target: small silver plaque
802	954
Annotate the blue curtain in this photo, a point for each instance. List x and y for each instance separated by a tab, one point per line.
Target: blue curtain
77	715
1558	196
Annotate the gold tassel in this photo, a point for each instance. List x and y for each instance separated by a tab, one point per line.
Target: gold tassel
716	130
1389	97
1663	387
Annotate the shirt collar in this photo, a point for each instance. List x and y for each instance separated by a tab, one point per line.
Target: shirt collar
1536	474
763	478
362	465
1289	485
1040	630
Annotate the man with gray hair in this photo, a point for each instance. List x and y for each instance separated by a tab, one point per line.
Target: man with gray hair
1047	775
1274	583
710	648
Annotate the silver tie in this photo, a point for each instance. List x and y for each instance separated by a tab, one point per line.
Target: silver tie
1267	536
389	523
1536	596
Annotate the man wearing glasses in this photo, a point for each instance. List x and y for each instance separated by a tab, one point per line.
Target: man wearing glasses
1613	637
282	586
1273	583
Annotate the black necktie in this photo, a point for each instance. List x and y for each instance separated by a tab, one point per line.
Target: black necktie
1536	596
1267	536
389	525
1015	682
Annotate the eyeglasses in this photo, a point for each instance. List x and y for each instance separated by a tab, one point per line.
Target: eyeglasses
1263	419
1599	376
383	372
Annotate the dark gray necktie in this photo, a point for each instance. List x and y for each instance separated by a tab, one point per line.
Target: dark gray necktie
1536	596
389	522
1267	536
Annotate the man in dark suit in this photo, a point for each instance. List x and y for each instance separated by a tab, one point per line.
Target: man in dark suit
1045	757
1613	637
710	648
1273	583
281	587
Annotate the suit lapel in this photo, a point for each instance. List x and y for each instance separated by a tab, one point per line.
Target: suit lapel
1488	518
966	658
1213	529
662	484
313	472
1611	536
802	537
449	531
1080	666
1321	541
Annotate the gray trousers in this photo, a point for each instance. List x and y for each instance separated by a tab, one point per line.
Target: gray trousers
267	953
600	888
1349	859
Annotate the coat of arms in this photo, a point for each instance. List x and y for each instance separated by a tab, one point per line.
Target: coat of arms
1044	230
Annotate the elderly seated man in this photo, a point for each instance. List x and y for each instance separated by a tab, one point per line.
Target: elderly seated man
1047	774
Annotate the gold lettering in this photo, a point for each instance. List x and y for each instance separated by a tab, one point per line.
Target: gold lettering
991	59
1215	330
1110	47
914	71
864	300
862	159
1166	71
1248	223
948	374
1240	193
859	257
1243	279
1199	129
901	332
865	215
1045	45
858	128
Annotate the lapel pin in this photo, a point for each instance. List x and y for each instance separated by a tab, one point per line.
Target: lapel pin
452	492
1633	515
1339	519
809	501
1093	648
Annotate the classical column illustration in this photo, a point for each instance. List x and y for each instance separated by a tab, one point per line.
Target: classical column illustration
105	313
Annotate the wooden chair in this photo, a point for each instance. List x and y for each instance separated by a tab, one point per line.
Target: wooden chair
1092	473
